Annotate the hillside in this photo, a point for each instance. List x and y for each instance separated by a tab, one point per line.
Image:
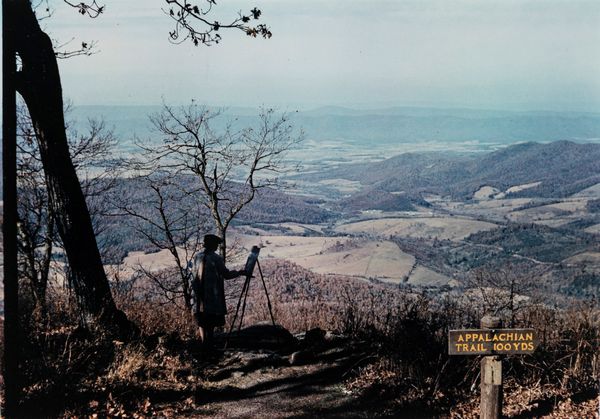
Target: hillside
559	169
562	167
537	242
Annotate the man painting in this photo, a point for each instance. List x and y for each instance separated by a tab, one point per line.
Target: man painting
208	275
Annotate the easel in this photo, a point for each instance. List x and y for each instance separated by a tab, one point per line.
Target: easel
250	263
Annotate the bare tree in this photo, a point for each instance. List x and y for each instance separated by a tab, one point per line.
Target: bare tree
229	166
91	153
38	82
169	219
505	291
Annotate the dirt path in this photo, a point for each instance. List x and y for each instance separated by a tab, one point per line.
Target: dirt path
262	384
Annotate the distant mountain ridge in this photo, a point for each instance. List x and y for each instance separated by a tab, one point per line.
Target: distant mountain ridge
562	168
386	125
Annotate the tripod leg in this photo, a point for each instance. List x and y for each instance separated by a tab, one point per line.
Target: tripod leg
244	305
237	309
266	293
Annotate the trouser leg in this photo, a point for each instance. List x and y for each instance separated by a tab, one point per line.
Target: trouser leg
206	335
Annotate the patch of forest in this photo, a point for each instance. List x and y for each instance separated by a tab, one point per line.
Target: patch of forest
533	251
457	259
542	243
593	206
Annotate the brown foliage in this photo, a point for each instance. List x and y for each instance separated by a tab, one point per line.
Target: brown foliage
407	364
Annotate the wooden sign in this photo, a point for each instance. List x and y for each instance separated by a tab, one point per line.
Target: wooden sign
491	341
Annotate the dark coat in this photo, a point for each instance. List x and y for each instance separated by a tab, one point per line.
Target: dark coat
208	275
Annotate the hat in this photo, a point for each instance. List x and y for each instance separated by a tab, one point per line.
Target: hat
212	239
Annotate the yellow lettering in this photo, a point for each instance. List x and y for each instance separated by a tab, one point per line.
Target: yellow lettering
502	337
529	336
461	338
495	338
530	346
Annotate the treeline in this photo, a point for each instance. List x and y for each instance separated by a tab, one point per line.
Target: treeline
593	206
121	231
539	242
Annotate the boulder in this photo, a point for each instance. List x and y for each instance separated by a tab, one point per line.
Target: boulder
260	336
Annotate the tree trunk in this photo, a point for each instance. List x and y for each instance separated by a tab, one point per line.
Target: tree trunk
39	84
222	231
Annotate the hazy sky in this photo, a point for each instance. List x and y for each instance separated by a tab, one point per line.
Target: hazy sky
506	54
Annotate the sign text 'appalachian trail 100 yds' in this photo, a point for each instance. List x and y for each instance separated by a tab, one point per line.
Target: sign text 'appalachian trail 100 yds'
491	342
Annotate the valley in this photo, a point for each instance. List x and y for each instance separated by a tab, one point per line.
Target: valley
436	230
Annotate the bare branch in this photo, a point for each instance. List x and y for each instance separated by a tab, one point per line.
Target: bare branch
229	166
92	9
191	22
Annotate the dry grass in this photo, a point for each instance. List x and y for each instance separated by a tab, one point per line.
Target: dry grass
407	366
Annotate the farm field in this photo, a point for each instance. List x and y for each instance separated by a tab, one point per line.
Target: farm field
440	227
378	259
492	208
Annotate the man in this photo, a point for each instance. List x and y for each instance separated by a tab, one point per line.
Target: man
208	275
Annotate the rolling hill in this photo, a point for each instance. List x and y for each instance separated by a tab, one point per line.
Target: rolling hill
557	169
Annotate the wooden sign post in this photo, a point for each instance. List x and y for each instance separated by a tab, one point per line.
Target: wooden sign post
491	341
490	404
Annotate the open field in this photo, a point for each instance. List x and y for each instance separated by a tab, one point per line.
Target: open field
366	259
493	208
595	229
382	260
588	258
554	214
150	261
442	228
591	192
553	222
423	277
342	185
485	192
489	192
550	212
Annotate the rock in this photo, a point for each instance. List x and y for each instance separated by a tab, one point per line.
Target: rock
258	361
314	336
261	336
301	357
